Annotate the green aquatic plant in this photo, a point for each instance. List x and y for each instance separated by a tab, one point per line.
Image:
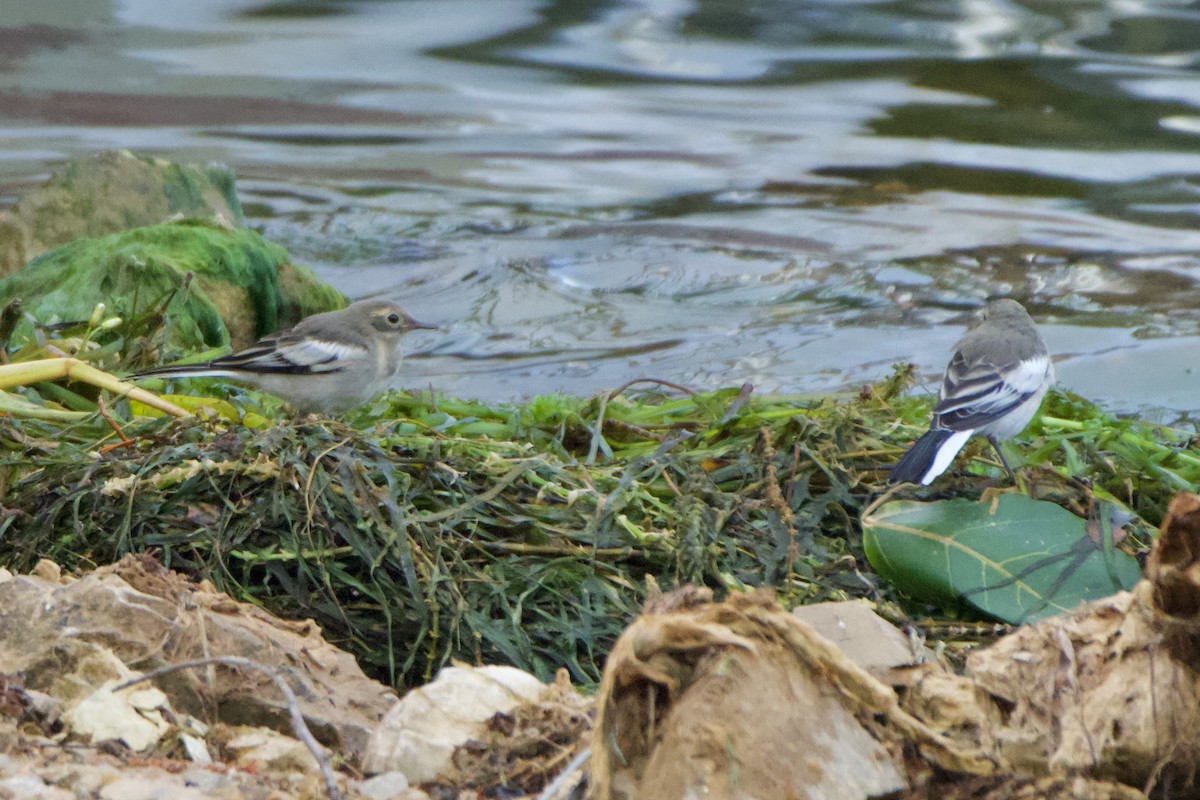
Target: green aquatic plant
425	528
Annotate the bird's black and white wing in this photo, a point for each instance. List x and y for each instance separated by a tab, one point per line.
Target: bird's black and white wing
291	354
280	354
980	397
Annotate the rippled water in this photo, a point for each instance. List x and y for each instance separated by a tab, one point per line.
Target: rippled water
798	193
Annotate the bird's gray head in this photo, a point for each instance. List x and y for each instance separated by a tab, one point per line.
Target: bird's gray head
1002	309
387	317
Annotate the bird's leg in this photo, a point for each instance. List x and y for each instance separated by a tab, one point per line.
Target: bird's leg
996	446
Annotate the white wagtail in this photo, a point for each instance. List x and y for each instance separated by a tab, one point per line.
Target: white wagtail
992	387
328	362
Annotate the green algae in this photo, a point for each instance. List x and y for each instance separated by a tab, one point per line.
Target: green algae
236	292
112	191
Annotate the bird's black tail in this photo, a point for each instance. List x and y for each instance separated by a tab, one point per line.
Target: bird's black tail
913	465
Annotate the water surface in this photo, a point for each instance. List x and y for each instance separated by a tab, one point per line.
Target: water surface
797	194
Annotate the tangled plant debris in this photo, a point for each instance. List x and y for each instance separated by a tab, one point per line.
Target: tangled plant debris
430	536
425	529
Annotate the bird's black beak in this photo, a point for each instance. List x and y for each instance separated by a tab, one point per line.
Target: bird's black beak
411	324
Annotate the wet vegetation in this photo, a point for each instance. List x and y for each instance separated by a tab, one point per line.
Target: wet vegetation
425	528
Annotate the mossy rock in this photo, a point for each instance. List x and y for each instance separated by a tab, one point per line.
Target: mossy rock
110	192
243	287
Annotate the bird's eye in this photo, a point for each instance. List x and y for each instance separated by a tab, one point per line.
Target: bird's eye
393	318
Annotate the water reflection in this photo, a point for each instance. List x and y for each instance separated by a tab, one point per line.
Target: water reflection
792	193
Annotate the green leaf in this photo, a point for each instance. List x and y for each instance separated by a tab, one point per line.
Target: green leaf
1019	561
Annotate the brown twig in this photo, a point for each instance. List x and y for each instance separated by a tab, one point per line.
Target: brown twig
638	429
743	397
775	501
569	779
659	381
555	551
299	726
112	423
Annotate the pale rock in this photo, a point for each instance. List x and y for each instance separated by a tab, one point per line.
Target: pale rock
47	570
10	736
205	780
132	717
865	637
43	706
263	749
420	733
195	748
150	787
386	786
31	787
82	780
68	638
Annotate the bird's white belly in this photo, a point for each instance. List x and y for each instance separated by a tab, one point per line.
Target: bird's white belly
1037	372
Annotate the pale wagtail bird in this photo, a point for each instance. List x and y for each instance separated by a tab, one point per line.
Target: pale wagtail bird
327	363
992	387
